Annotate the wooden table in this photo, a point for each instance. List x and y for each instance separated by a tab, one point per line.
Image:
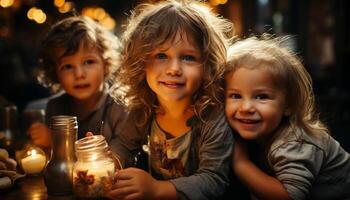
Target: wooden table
31	188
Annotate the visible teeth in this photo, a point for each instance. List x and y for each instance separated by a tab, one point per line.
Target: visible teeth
247	120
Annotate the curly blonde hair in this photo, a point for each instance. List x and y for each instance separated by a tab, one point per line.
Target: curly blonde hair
151	25
69	34
288	73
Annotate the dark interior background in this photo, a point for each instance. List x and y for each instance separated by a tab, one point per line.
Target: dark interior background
319	30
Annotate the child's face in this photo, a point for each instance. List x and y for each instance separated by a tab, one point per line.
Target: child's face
174	71
81	75
254	105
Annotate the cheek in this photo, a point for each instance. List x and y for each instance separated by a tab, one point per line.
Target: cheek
229	108
148	74
274	117
63	80
196	77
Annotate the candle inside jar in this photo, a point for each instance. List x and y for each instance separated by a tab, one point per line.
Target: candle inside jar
34	163
93	179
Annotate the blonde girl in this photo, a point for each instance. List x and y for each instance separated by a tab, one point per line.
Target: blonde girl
269	100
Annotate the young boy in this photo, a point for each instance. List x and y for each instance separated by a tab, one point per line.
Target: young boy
79	56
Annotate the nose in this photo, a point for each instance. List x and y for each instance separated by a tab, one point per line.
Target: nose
79	72
246	106
174	68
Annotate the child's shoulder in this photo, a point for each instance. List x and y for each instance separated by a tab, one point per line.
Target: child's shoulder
296	141
59	98
299	135
216	125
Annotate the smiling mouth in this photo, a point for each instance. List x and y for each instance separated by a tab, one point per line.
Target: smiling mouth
82	86
172	84
248	121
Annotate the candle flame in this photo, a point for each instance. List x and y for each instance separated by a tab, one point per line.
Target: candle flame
32	152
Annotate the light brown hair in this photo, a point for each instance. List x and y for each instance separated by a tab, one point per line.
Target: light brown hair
151	25
288	73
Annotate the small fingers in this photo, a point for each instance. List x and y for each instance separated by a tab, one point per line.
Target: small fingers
120	192
124	175
89	134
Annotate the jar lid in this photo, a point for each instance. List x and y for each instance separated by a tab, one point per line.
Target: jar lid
60	122
91	143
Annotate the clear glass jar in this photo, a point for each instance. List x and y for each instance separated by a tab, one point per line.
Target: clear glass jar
58	173
32	159
93	173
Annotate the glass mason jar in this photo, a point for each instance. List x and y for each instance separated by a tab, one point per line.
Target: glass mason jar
93	172
58	173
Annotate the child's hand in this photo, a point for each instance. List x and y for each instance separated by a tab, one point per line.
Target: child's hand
89	134
40	134
133	183
240	153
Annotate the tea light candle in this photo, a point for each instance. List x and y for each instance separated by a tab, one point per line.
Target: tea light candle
34	163
97	168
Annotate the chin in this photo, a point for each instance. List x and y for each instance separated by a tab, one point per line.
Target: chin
82	97
248	136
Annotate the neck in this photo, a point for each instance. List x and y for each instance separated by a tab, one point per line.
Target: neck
82	106
177	110
173	117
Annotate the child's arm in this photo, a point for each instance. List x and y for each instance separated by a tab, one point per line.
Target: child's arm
40	135
133	183
207	180
259	183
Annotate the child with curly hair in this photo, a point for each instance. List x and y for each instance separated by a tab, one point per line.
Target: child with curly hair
172	72
79	57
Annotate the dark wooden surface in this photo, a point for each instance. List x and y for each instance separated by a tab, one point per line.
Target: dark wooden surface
31	188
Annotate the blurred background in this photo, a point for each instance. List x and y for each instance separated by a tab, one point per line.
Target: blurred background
319	30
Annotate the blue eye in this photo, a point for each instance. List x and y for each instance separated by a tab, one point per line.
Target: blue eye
189	58
235	96
89	62
262	96
160	56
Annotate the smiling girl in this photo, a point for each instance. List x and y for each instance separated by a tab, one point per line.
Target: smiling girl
172	65
269	101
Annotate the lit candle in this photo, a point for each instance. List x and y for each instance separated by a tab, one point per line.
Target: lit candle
34	163
93	179
97	168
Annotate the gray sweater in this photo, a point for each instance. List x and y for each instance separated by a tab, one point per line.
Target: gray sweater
208	165
107	110
311	166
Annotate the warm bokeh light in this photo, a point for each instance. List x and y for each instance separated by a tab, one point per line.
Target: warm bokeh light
67	6
100	15
6	3
217	2
59	3
37	15
41	18
30	12
87	11
109	23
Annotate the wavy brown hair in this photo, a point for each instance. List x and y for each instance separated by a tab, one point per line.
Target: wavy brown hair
151	25
69	34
